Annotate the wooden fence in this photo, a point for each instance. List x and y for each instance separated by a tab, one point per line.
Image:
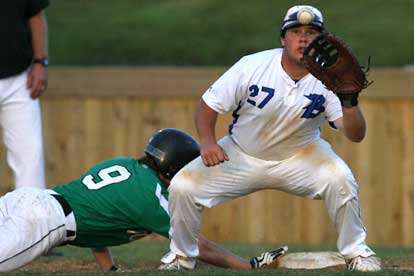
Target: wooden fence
92	114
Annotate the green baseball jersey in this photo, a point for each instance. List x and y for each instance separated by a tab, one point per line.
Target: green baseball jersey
116	202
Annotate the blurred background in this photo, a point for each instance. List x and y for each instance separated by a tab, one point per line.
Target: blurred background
120	70
214	32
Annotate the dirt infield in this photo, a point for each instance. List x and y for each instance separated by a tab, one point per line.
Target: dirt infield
402	264
399	264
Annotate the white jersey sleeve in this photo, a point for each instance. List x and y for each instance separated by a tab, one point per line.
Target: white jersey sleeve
333	107
225	94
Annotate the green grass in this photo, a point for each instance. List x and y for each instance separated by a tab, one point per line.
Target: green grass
215	32
145	255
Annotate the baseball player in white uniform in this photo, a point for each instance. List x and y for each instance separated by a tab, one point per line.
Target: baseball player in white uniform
273	143
23	79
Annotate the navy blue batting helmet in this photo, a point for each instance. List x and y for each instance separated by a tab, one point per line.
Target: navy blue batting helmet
172	149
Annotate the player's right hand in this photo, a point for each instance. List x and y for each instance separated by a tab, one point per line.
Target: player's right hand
37	80
213	154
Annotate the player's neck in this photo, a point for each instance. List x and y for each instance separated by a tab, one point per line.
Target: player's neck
293	70
164	180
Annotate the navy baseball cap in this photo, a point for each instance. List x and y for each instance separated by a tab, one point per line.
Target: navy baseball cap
292	18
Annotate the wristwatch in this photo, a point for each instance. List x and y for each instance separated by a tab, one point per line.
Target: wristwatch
43	61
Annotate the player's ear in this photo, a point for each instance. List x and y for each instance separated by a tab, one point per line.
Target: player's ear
282	42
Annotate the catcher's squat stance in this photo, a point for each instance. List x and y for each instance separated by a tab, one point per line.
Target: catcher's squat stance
274	141
115	202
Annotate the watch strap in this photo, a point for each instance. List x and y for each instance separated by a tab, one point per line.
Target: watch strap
43	61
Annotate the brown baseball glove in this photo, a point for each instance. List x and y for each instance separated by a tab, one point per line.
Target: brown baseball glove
331	61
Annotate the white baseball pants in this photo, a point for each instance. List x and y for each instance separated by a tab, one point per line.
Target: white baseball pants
315	172
21	120
31	223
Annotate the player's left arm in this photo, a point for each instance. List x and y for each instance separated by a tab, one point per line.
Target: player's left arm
104	258
352	124
212	253
38	74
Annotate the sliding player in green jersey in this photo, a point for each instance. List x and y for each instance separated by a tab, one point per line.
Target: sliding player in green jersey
115	202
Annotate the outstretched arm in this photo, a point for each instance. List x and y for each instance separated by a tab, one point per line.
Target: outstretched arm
213	254
104	258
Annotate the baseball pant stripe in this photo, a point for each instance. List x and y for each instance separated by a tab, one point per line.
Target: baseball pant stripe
33	245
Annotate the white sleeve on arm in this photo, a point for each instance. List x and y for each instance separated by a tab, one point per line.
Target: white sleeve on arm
333	108
226	93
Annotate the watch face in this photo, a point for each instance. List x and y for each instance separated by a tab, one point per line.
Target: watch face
42	61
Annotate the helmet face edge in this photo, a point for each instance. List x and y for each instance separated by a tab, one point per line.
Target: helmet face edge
154	152
172	149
